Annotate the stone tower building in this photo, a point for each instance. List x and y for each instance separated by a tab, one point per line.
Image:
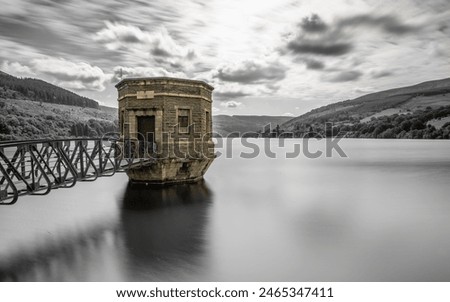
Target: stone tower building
167	122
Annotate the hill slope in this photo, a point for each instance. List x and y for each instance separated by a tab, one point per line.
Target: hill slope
226	124
25	119
35	109
421	104
40	91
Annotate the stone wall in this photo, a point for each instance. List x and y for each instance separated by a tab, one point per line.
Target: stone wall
162	98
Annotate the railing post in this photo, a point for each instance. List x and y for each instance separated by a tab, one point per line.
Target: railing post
100	154
80	150
59	162
33	168
22	163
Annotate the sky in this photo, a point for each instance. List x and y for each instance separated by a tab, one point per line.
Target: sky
264	57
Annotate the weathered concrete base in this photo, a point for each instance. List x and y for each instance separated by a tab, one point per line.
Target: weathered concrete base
170	171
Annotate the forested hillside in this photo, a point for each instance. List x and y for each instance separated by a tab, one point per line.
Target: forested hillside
418	111
25	119
34	109
40	91
223	125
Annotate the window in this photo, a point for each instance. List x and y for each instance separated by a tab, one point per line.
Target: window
183	120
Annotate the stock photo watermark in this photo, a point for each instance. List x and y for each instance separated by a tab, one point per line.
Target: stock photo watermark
246	145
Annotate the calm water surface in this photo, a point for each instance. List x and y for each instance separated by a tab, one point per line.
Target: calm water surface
382	214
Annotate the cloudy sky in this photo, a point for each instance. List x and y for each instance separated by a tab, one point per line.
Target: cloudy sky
269	57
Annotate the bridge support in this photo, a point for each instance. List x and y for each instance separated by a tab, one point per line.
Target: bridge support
37	167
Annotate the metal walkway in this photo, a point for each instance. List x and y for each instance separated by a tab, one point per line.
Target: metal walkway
37	167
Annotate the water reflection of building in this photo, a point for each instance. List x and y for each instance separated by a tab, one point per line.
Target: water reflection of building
159	235
163	228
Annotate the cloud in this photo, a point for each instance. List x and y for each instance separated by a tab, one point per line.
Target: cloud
247	78
376	74
313	24
387	23
16	69
251	72
121	72
46	38
228	90
319	47
315	37
157	45
344	76
116	33
231	104
71	75
230	94
314	64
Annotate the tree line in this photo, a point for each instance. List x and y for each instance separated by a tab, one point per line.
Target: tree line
414	125
40	91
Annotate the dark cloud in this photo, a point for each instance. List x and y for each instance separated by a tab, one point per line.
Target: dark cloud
388	23
230	94
130	39
48	38
251	72
23	31
443	27
160	52
313	24
344	76
314	64
319	47
381	74
191	55
315	37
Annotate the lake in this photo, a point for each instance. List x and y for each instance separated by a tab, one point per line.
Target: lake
379	214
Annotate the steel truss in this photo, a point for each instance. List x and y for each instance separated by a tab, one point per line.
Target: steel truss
37	167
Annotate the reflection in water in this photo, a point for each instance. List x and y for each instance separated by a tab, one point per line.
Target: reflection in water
163	229
158	236
63	261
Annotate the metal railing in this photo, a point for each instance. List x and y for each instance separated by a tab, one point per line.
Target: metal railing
36	167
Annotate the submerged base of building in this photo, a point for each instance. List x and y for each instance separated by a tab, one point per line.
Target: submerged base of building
169	171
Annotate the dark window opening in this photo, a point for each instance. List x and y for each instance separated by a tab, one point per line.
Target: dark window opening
183	121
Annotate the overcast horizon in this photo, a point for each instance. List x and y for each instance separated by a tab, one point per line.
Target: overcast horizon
263	58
